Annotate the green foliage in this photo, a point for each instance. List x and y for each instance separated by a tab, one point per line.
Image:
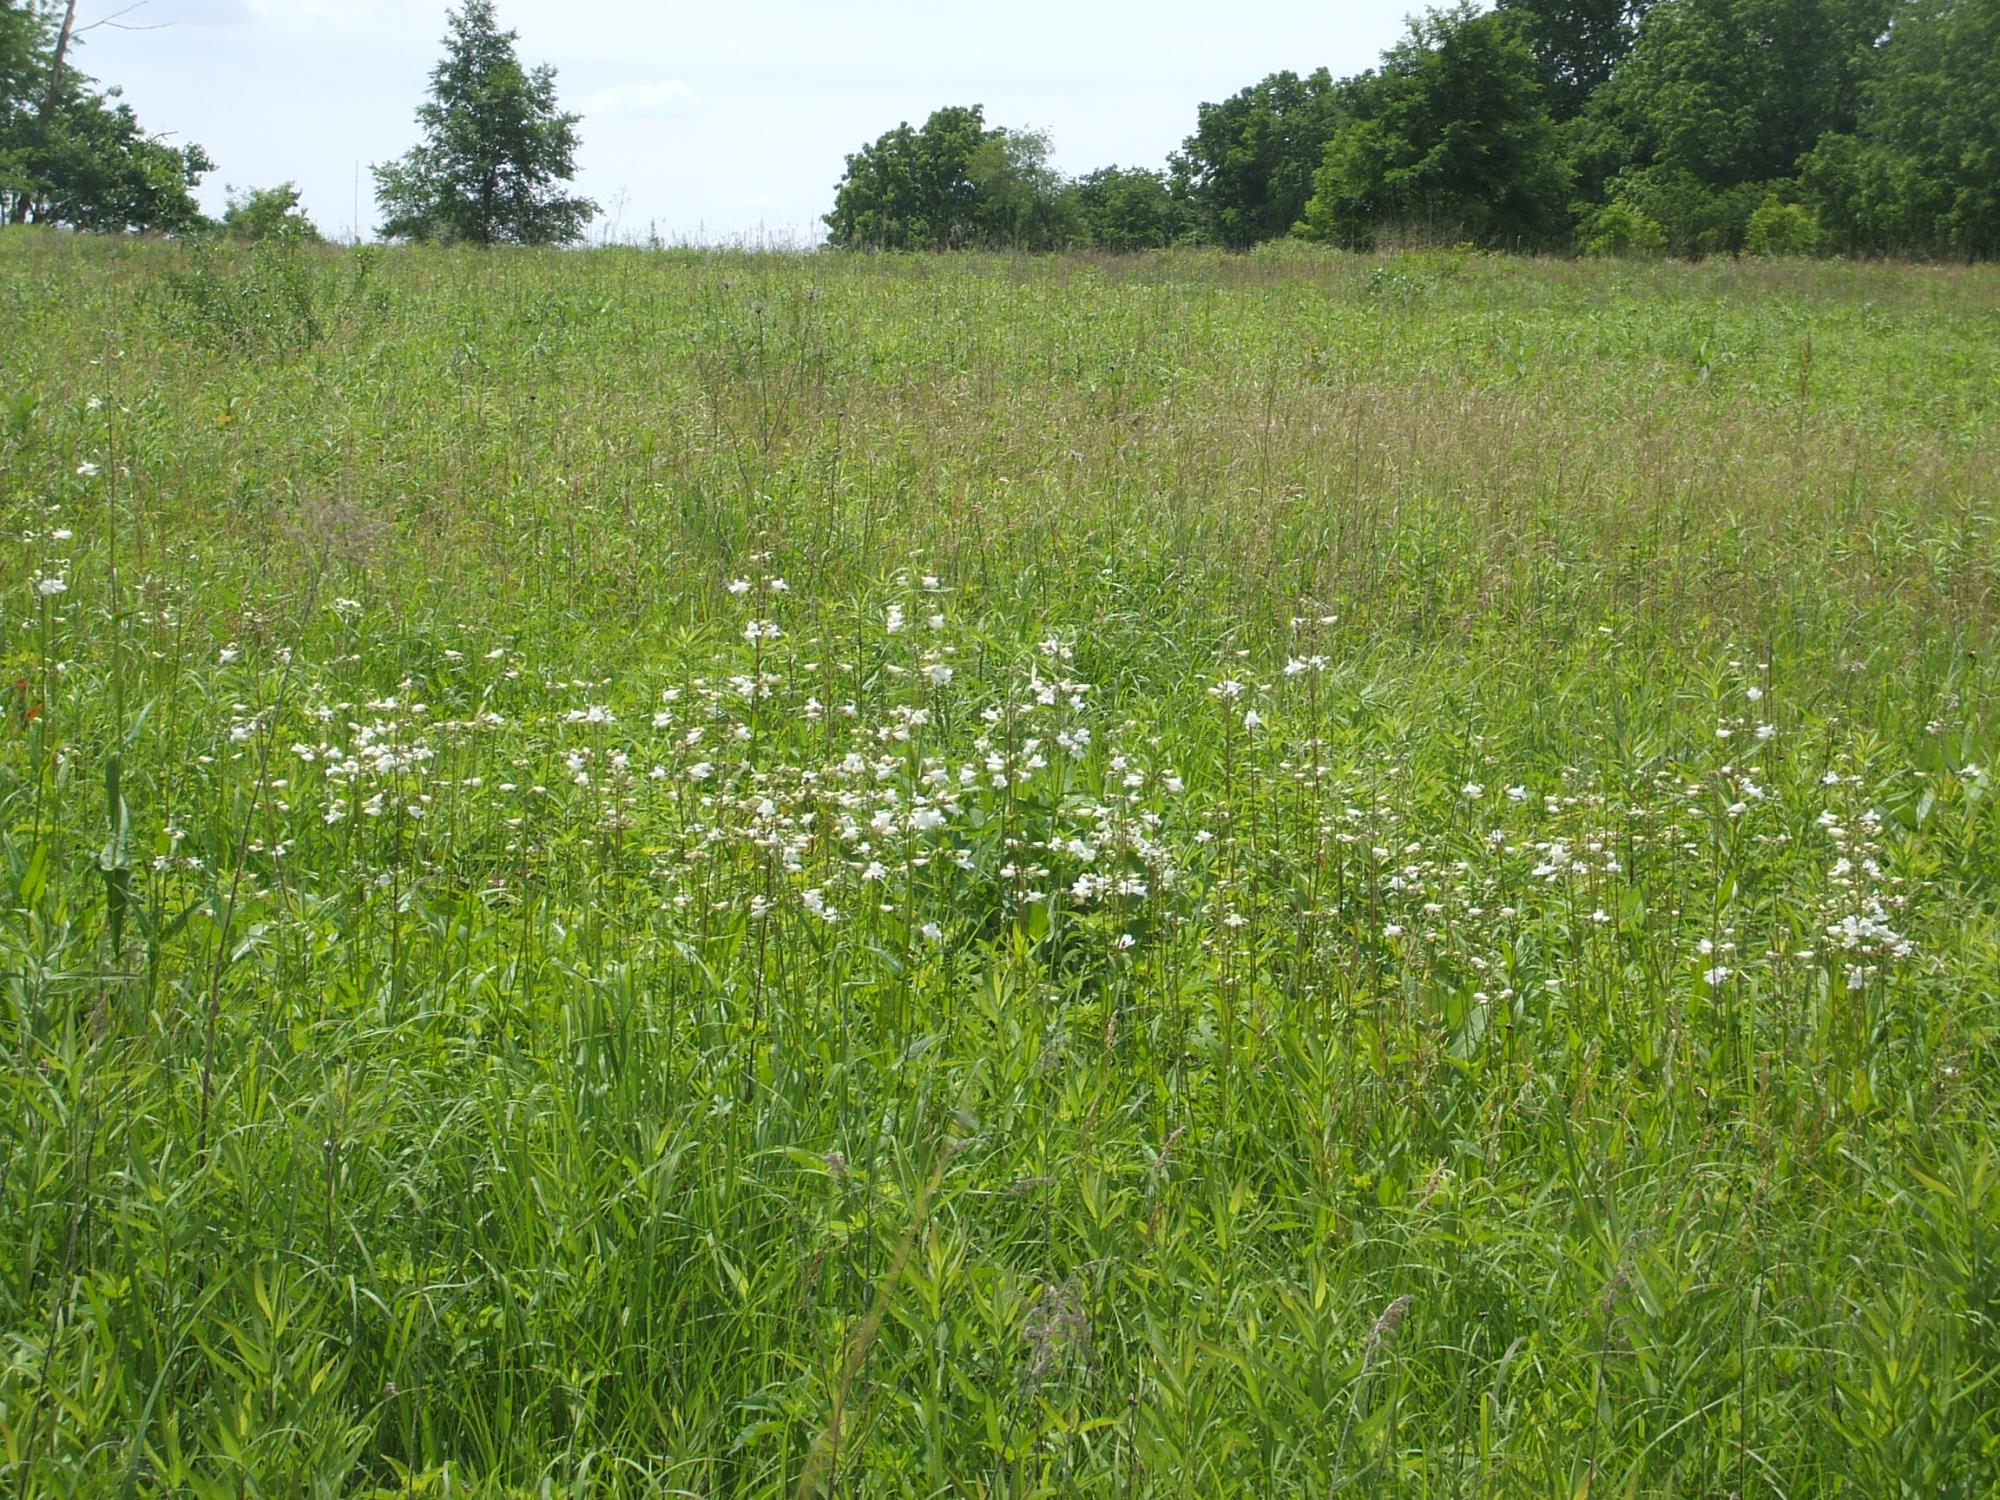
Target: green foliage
957	184
913	189
93	168
1920	171
1698	219
1723	93
1124	209
1578	43
271	301
74	154
23	36
1519	127
24	74
953	185
1781	228
1247	170
268	214
1019	201
542	1009
1618	228
497	150
1451	140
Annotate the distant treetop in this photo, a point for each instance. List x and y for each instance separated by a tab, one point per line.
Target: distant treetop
497	151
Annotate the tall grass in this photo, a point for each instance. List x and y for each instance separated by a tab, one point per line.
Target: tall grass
677	874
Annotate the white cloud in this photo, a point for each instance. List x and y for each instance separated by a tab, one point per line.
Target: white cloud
670	97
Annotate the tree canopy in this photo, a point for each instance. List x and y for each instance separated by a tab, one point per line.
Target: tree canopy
1247	170
271	213
497	151
1451	139
74	154
1607	126
1920	169
1689	127
1716	105
912	189
1577	45
954	183
1128	208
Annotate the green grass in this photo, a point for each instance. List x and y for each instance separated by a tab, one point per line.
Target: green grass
1505	1001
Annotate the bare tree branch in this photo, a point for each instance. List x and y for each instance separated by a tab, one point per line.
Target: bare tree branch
56	64
113	21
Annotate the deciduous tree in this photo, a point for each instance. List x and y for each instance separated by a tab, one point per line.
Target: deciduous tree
1920	171
1020	201
497	153
912	189
1717	103
1247	170
74	154
1451	138
1128	208
1578	44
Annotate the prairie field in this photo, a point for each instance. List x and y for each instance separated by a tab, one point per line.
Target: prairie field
699	874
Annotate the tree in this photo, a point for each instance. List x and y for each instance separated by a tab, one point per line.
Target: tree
959	184
912	189
1125	209
268	214
21	39
1247	170
1019	201
1920	170
1716	104
1578	44
497	151
24	72
1451	137
952	185
73	154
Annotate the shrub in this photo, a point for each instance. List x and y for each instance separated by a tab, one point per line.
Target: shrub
1619	228
1779	228
268	214
1699	219
267	300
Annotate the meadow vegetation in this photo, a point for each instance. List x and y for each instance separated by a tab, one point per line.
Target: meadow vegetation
646	874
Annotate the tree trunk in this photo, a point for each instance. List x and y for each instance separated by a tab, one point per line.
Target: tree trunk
49	101
56	66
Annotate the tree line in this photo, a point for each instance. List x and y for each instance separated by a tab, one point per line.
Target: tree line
1605	126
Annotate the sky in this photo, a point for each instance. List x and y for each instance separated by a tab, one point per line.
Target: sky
719	123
